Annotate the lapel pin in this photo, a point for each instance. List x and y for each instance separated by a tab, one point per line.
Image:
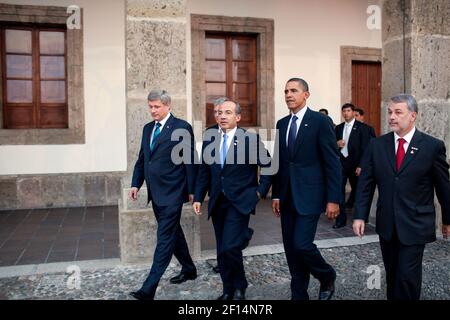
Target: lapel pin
412	151
306	124
414	148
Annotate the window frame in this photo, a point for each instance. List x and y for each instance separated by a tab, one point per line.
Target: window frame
51	16
229	59
264	29
36	104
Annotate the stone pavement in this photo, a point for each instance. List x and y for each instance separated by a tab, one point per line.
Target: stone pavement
267	274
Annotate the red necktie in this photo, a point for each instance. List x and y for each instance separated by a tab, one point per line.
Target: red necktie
400	152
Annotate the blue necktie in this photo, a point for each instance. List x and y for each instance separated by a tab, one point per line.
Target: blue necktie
223	152
155	135
292	135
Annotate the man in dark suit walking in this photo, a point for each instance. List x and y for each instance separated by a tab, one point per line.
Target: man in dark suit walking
169	185
229	173
407	166
307	184
352	139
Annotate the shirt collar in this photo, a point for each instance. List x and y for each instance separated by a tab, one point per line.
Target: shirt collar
163	121
301	113
351	123
230	133
408	137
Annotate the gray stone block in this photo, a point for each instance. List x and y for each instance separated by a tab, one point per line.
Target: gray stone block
434	119
74	191
392	22
138	230
393	69
52	191
95	188
430	67
29	193
8	193
431	17
156	51
156	8
113	189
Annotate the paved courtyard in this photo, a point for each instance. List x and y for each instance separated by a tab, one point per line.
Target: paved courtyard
267	274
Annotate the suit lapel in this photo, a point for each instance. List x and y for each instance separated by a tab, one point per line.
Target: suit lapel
283	134
232	155
413	149
303	130
390	146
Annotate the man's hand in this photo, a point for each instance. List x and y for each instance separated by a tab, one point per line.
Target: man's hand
341	143
358	227
133	193
358	171
191	198
197	208
332	210
446	230
276	208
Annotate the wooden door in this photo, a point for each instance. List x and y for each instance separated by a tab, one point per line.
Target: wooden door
366	91
231	72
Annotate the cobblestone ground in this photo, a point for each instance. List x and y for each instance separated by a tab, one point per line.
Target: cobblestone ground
268	278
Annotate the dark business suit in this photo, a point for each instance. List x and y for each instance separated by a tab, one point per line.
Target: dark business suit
232	198
405	217
169	186
306	181
358	141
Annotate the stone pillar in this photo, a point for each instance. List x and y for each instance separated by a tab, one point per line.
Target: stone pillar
425	71
156	59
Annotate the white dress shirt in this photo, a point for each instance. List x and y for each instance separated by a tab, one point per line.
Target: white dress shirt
408	137
162	122
230	137
348	126
300	116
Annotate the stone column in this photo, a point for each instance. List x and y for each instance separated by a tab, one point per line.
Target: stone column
156	59
425	71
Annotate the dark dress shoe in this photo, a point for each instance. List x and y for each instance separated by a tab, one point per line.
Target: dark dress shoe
216	269
326	291
141	295
239	294
182	277
225	297
338	225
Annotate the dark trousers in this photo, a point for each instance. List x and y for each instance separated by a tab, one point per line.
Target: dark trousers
348	173
403	265
232	236
302	255
170	241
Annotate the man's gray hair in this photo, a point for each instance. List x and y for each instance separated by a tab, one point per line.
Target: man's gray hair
162	95
221	100
408	99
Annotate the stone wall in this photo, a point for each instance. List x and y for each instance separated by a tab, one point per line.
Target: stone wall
156	59
416	60
59	190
